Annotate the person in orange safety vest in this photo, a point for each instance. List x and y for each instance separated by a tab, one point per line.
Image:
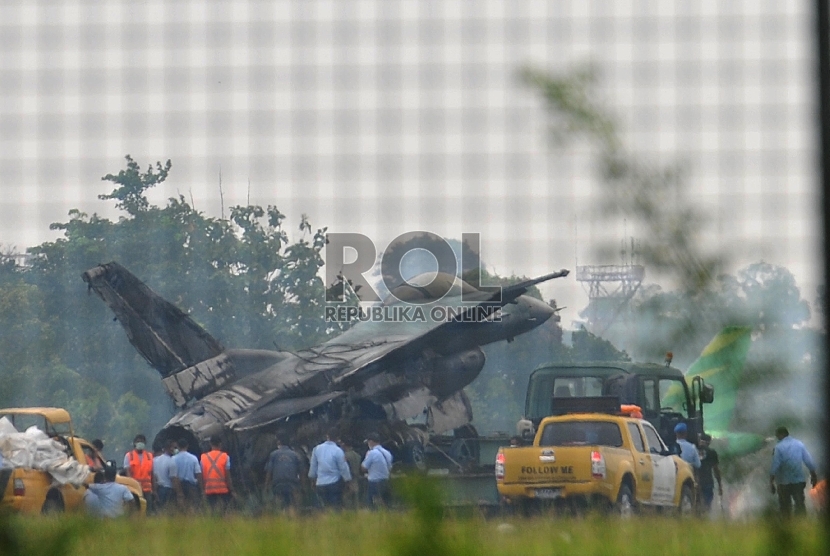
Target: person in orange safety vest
138	464
216	477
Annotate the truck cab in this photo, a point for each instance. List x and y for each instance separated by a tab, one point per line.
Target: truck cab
661	391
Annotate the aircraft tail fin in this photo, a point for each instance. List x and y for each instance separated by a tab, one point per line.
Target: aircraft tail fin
730	445
721	364
162	333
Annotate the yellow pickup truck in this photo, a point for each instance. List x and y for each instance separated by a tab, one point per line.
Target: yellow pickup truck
598	459
29	490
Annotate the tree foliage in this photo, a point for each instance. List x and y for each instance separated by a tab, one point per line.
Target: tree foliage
242	278
132	184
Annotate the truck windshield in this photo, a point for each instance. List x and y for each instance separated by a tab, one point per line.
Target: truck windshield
673	395
544	388
582	433
22	421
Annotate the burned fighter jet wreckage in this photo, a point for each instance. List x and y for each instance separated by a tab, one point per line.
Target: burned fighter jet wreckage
373	377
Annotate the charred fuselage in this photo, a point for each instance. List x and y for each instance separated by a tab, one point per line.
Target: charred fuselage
378	375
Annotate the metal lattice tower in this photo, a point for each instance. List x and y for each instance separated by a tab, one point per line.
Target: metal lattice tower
610	288
606	281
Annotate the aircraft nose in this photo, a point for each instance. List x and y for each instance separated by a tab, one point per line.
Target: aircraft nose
537	311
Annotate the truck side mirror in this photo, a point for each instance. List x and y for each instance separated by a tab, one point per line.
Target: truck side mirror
707	393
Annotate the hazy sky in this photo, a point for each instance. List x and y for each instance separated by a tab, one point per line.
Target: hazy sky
387	116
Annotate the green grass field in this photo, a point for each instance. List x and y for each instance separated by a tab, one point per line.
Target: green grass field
396	533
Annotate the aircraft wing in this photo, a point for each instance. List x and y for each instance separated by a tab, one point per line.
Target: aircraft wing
372	347
379	351
280	409
400	350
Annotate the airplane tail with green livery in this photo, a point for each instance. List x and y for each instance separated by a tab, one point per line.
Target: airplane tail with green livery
721	364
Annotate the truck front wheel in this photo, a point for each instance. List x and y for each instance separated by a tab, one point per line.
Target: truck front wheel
624	506
53	504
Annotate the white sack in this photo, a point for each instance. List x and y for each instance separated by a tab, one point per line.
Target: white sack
6	426
34	449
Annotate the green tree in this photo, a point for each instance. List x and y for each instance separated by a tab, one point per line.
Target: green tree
132	184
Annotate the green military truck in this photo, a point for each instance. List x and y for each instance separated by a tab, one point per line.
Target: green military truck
463	463
661	391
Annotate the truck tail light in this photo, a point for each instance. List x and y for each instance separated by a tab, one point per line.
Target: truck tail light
19	487
597	465
500	466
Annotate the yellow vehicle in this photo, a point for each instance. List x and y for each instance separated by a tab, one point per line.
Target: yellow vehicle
29	490
596	458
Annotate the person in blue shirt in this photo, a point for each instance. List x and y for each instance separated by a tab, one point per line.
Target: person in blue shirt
787	459
688	451
166	485
105	497
189	472
329	469
378	465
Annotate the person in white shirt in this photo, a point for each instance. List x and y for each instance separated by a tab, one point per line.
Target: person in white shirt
378	465
329	470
